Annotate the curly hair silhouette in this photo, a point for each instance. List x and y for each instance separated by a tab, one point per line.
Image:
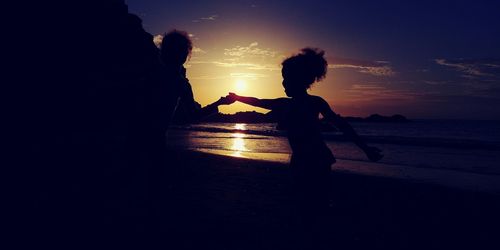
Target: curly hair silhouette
307	67
176	46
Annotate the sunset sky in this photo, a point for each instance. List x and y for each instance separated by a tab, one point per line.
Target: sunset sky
422	59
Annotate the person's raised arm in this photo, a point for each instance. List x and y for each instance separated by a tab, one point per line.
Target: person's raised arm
200	113
261	103
373	153
225	100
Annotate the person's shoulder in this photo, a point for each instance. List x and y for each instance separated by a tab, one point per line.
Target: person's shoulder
281	103
317	99
321	103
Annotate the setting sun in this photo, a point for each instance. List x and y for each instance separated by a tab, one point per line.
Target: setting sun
240	85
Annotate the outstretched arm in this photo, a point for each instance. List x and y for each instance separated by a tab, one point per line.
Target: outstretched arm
210	109
261	103
373	153
225	100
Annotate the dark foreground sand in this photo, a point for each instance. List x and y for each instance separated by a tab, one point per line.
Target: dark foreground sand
219	202
230	203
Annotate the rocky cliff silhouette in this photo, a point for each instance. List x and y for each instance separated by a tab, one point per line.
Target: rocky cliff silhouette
93	108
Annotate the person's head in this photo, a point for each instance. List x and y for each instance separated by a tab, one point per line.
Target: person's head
300	71
176	46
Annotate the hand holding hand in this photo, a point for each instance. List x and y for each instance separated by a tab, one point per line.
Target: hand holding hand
226	100
373	153
233	96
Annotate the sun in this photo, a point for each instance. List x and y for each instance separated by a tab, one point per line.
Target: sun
240	85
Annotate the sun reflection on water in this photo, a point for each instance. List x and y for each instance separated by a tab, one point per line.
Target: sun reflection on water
238	144
240	126
238	141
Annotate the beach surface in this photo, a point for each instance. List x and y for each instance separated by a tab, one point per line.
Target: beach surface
228	202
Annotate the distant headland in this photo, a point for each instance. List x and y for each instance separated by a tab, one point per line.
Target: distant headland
378	118
256	117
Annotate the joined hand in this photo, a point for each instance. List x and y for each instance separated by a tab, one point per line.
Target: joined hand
229	99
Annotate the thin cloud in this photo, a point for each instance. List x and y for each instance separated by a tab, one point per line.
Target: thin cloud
247	65
248	75
371	92
430	82
208	77
250	51
376	68
199	50
209	18
249	57
473	68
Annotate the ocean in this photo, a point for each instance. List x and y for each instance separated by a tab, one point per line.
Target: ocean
420	149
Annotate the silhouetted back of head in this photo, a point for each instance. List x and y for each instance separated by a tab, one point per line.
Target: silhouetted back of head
176	46
306	67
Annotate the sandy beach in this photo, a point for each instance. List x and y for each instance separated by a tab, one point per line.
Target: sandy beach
234	203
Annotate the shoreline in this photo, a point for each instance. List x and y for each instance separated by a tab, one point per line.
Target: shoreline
471	181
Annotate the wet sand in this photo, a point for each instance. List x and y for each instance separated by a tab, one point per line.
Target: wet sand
233	203
458	179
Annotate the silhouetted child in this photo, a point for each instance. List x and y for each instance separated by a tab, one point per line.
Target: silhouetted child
299	116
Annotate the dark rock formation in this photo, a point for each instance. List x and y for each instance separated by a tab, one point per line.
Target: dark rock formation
93	109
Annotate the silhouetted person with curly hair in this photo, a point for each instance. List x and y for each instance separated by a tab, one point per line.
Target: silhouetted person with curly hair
298	115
